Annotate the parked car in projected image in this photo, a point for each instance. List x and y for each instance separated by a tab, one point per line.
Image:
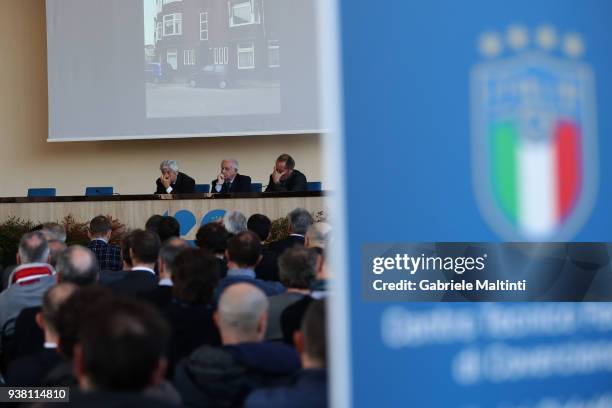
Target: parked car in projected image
211	76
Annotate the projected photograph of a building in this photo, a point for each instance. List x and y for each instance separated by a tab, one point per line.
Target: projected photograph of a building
211	58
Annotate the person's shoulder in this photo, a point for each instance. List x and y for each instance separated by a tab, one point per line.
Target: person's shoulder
186	176
244	177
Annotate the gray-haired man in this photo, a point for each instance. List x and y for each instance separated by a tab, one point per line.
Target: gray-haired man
229	181
172	181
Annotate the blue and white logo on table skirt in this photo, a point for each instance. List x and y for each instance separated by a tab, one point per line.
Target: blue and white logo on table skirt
534	133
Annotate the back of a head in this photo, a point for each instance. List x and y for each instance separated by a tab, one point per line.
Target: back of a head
122	342
168	227
78	265
144	245
297	267
56	249
100	226
299	221
287	159
52	300
33	247
54	231
244	249
212	237
261	225
234	222
315	333
169	250
153	222
240	311
73	312
319	234
195	276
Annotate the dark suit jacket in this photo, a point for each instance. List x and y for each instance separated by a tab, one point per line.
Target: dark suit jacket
295	182
136	283
267	268
280	246
241	184
29	338
109	255
183	185
30	371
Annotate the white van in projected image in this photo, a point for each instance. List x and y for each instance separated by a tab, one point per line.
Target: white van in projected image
212	58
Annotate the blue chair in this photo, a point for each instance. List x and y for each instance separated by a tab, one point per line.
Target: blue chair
41	192
313	186
256	187
202	188
98	191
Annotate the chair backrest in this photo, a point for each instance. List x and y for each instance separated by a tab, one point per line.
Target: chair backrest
314	186
202	188
98	191
256	187
41	192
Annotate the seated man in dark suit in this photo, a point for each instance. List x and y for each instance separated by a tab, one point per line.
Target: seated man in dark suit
162	295
109	255
309	388
243	253
142	251
285	177
299	221
172	181
31	370
229	181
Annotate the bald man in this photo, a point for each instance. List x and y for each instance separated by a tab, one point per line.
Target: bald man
246	361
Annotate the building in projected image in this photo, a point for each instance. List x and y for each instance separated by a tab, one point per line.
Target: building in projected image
236	38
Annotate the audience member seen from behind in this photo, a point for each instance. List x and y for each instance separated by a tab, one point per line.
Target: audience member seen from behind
165	263
212	238
172	181
28	282
234	222
243	253
267	268
141	249
108	255
120	354
297	272
298	222
285	177
56	239
222	377
78	265
167	227
70	316
309	388
195	277
291	318
29	371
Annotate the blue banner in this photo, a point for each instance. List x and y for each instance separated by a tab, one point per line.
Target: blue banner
476	121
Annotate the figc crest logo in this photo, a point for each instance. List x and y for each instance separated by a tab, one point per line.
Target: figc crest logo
534	137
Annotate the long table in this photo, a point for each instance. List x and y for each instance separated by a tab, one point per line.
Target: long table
134	210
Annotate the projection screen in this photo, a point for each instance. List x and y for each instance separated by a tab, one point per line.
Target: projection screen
138	69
